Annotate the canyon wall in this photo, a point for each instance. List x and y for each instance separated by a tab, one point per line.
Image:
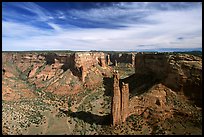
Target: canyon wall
83	62
49	69
152	63
181	72
122	58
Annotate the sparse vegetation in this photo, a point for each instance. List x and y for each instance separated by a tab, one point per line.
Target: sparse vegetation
84	110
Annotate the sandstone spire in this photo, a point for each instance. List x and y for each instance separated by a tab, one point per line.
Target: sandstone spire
120	104
83	74
124	101
116	104
116	63
108	59
102	61
133	60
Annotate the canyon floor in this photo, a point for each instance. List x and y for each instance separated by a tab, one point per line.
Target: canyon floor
49	107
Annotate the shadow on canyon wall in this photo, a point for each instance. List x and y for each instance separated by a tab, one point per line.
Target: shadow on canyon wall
50	58
67	63
108	85
138	84
90	118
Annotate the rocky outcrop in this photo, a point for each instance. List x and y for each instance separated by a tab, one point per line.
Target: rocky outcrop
157	102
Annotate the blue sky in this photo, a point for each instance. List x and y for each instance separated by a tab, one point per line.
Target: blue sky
101	25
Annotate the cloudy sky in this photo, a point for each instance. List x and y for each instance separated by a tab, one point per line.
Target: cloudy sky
101	26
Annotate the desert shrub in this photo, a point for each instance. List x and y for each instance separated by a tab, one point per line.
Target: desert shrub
23	76
36	117
50	95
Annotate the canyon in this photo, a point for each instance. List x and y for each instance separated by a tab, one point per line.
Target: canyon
95	93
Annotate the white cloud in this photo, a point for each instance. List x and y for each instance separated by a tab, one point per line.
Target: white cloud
16	30
160	30
42	14
55	26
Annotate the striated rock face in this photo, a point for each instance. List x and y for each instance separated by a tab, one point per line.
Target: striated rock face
182	73
124	102
116	104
